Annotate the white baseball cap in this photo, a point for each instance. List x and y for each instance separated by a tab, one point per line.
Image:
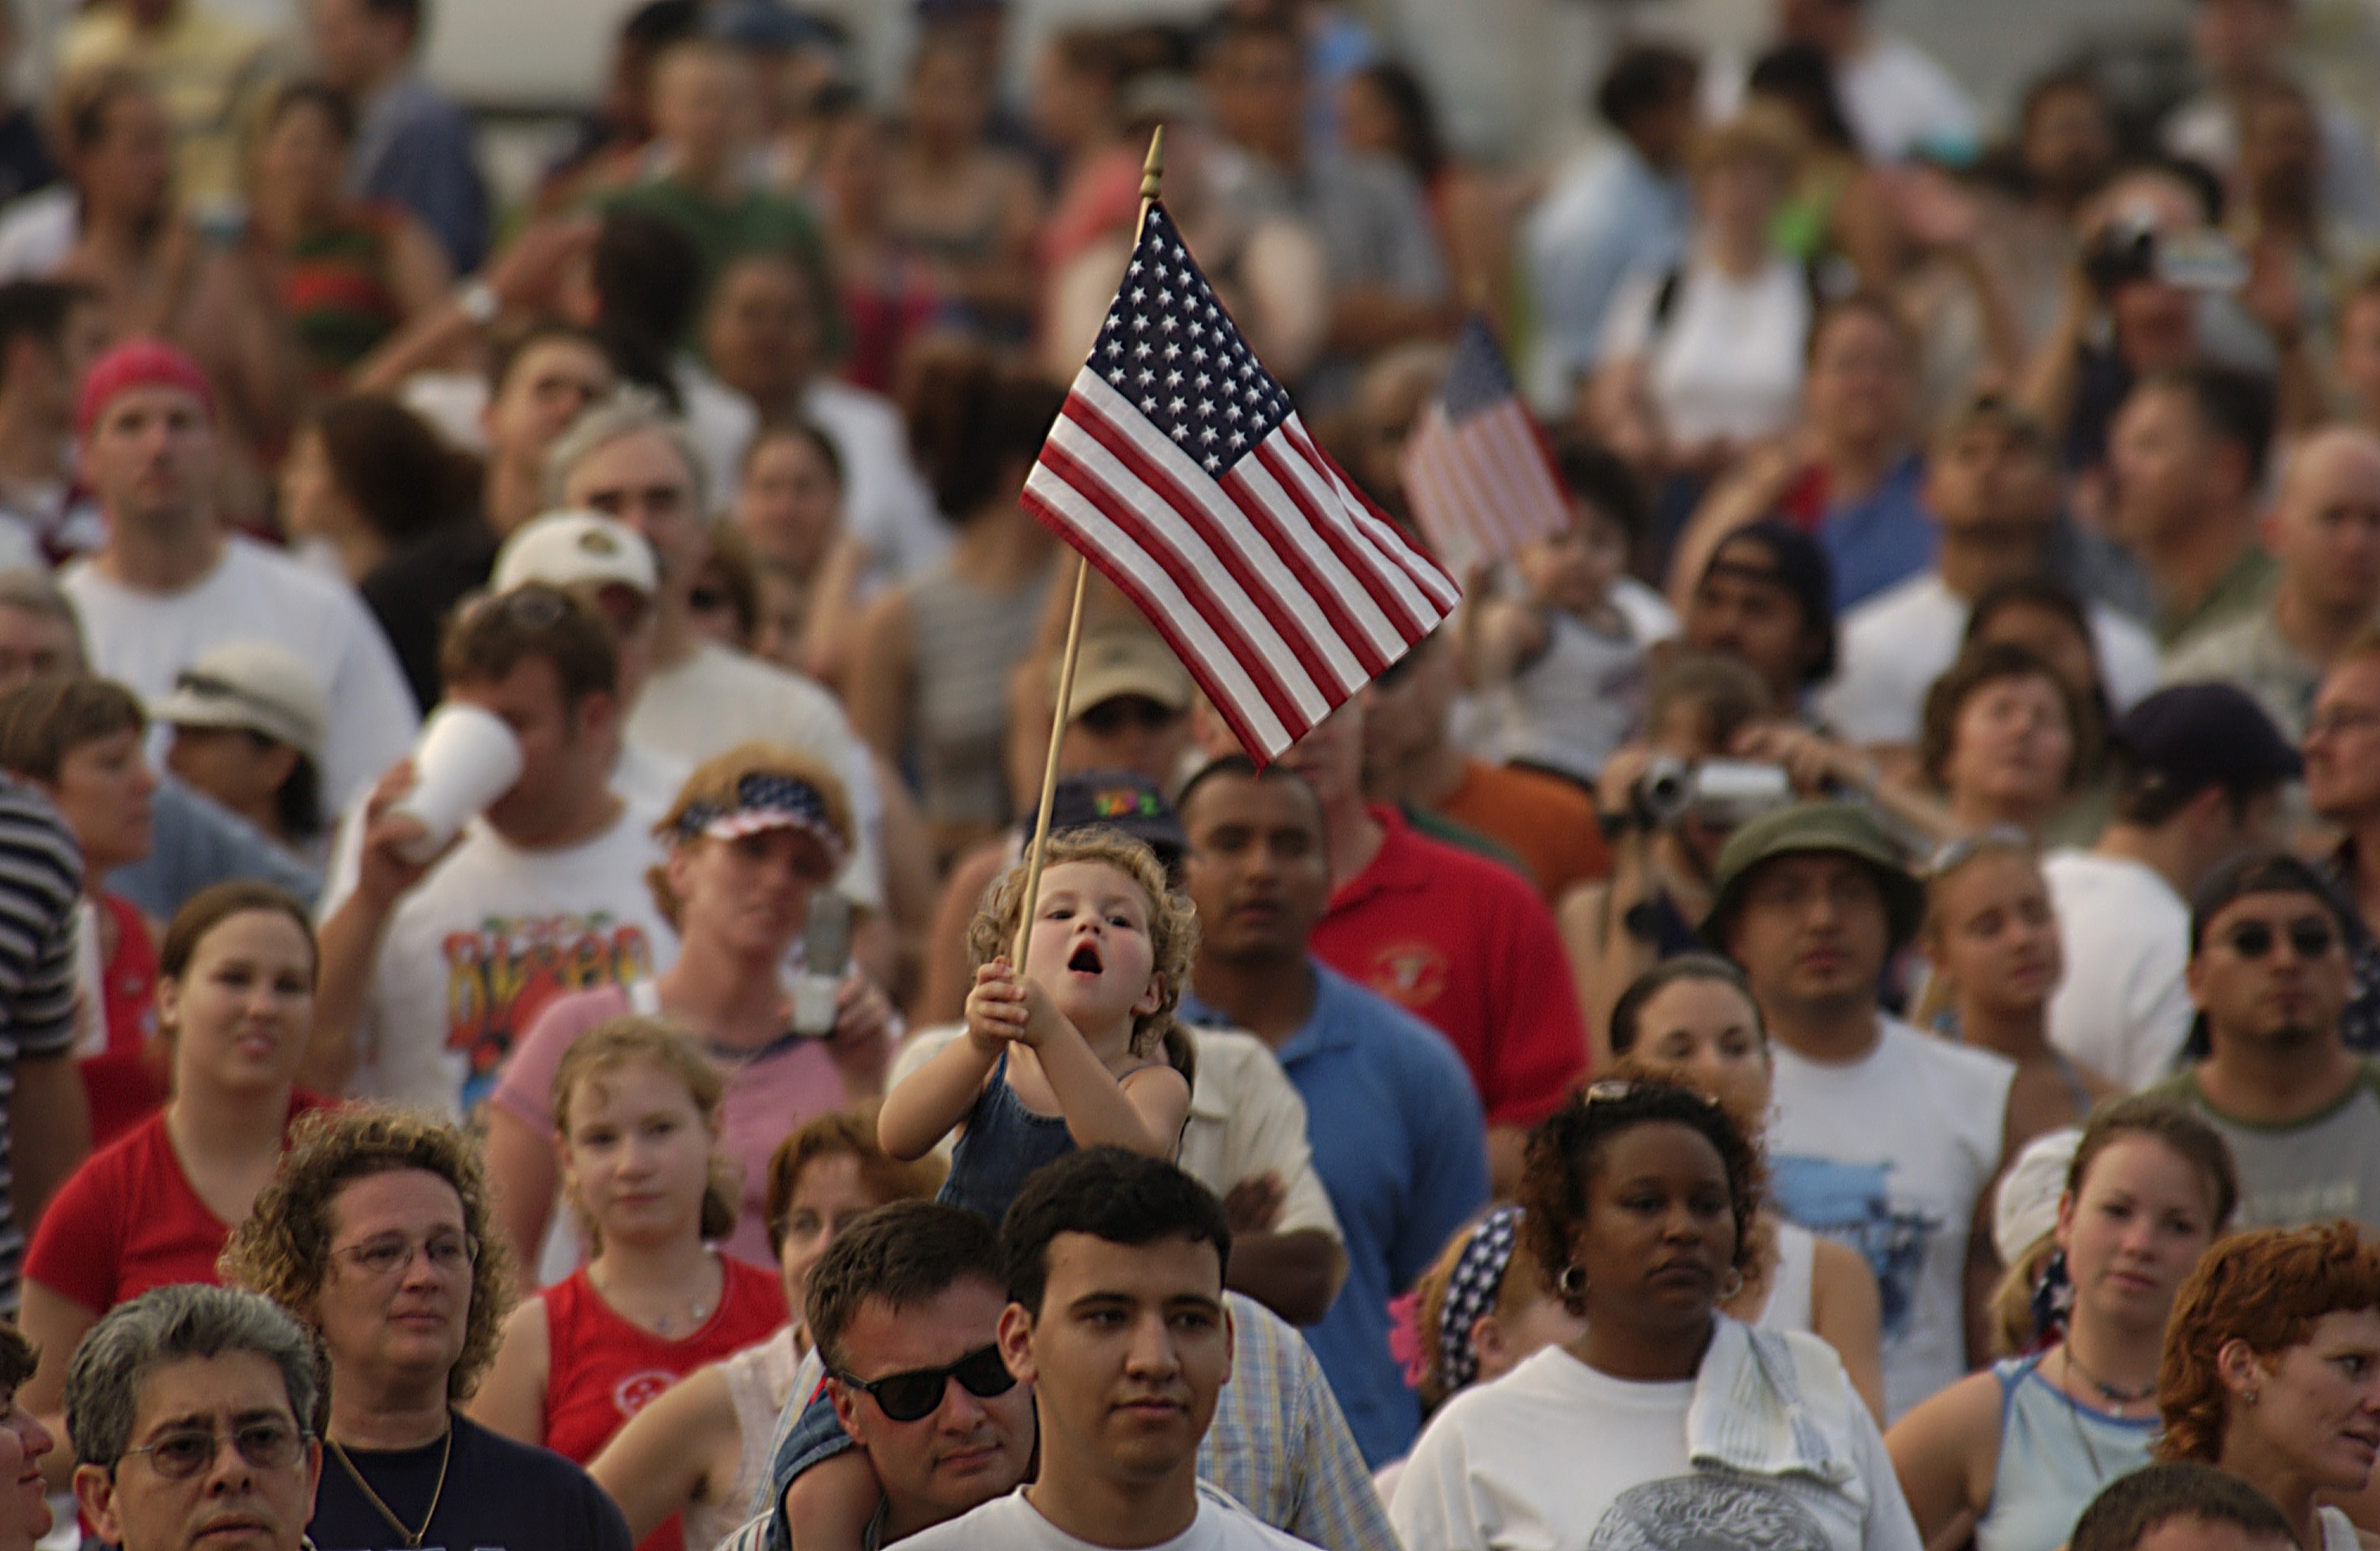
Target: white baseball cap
563	548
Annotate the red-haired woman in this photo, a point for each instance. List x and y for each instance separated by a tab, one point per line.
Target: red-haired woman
2272	1371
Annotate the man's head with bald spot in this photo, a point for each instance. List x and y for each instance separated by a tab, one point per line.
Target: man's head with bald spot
2324	528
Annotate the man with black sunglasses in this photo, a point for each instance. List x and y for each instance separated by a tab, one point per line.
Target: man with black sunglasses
2268	972
1116	1317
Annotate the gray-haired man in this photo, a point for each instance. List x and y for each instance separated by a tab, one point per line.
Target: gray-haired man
189	1410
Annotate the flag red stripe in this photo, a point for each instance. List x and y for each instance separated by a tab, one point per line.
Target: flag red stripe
1478	503
1539	499
1521	507
1425	593
1212	659
1160	486
1286	469
1433	501
1302	573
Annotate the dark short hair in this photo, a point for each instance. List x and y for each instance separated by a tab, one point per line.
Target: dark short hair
905	1253
401	474
2124	1512
1567	1149
1628	1013
218	902
1109	1194
323	97
1595	474
2233	406
492	636
1239	765
1977	669
970	417
1644	79
37	309
44	721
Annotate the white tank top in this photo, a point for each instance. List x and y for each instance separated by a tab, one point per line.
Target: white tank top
1789	1290
2338	1531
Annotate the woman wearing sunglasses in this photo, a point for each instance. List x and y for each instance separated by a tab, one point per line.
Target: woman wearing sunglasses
1666	1422
377	1235
1991	938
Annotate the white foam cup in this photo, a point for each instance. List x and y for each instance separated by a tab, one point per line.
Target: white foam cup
465	759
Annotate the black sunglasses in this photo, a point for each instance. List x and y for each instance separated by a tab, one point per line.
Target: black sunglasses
1111	715
2309	938
906	1397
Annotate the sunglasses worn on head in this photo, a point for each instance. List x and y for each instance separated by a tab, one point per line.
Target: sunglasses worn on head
2309	937
906	1396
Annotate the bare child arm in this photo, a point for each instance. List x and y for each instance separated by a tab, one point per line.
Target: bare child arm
1142	1111
829	1506
924	1105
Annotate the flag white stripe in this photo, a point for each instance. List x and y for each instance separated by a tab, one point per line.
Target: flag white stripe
1480	497
1222	670
1258	547
1438	595
1539	505
1345	511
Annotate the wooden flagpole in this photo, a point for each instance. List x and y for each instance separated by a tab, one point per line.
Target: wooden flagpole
1152	174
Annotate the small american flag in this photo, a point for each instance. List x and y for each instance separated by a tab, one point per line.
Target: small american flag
1475	469
1180	470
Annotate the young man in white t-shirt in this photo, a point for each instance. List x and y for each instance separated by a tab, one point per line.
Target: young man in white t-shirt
2198	772
168	585
1994	490
430	971
1116	1317
1884	1138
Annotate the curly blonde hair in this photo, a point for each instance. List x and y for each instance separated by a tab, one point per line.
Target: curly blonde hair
2265	1287
283	1248
1173	919
714	781
632	1037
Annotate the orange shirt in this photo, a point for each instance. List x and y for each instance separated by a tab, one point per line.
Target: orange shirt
1545	820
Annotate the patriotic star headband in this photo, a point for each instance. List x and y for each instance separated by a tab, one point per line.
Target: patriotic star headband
1471	1292
764	801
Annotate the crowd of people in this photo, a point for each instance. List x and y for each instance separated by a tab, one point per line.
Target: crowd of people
1832	1005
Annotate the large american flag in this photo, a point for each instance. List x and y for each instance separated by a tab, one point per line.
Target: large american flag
1475	468
1180	470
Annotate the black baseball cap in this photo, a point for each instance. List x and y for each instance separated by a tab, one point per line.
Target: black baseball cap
1782	556
2261	872
2192	737
1123	800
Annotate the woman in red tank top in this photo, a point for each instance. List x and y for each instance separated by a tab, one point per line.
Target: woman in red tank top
636	1112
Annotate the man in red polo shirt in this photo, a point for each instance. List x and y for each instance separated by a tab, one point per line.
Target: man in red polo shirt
1463	944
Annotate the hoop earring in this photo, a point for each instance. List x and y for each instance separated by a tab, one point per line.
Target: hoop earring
1733	1285
1572	1283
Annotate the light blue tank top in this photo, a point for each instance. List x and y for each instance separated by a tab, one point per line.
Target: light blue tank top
2054	1456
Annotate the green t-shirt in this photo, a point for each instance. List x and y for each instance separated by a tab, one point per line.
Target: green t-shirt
2311	1170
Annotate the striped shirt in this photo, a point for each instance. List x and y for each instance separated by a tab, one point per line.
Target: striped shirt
41	877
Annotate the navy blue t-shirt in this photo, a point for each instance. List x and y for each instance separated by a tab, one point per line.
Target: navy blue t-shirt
500	1496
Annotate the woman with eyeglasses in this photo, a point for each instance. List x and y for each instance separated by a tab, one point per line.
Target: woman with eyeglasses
1692	1020
753	835
377	1235
1991	938
235	1007
2018	1452
1667	1422
636	1121
2271	1370
701	1450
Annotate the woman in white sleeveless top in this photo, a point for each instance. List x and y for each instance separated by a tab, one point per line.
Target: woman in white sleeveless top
1692	1019
2271	1370
702	1449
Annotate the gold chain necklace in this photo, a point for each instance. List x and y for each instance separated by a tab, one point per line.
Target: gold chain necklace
412	1537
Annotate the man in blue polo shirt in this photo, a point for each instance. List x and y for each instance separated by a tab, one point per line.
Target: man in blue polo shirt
1393	1122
